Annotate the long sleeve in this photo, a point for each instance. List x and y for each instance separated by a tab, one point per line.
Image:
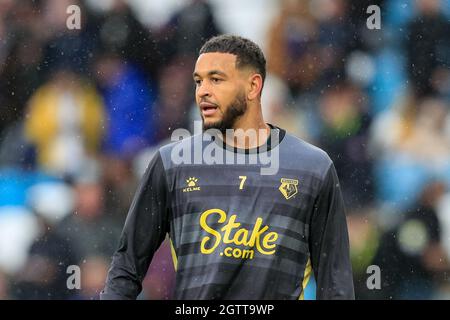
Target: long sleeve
145	228
329	244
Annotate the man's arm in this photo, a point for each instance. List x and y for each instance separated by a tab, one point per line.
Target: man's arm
329	244
145	228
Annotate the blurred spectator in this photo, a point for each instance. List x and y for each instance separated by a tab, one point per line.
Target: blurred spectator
18	226
337	37
119	184
128	103
344	134
364	237
428	142
171	110
44	274
279	108
88	228
66	47
15	149
187	30
121	33
411	257
443	210
308	43
20	56
293	48
64	120
93	274
4	286
416	149
130	127
428	46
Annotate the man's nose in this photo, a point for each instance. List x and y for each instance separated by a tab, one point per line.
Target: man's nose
203	89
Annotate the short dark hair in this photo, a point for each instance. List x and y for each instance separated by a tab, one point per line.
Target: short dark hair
248	53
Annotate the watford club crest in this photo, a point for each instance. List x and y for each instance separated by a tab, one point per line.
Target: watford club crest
288	187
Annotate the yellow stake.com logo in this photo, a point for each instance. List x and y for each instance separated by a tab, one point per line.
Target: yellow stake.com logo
230	233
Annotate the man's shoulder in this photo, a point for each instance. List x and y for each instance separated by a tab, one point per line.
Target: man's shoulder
306	155
168	150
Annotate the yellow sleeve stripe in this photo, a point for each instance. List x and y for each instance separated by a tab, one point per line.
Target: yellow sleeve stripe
306	276
174	255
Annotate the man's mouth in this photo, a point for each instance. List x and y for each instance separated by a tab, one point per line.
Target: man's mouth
208	109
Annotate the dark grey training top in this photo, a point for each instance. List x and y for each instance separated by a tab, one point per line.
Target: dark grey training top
235	233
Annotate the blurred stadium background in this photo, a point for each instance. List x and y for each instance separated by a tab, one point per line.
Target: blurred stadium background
82	111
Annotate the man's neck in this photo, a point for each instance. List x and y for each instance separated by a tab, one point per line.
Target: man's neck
248	132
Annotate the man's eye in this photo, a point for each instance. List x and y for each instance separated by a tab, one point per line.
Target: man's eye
197	82
216	80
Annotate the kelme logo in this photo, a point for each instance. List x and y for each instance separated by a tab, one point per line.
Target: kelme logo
191	183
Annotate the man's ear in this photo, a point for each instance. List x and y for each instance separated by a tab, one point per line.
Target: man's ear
255	86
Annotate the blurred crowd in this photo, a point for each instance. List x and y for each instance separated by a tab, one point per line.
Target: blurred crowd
82	111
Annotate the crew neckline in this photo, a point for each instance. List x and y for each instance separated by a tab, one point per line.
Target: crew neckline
271	142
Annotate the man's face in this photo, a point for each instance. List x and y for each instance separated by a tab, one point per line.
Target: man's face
220	90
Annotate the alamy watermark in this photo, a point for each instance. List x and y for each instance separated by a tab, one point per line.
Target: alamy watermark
209	148
73	21
374	20
374	280
74	280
